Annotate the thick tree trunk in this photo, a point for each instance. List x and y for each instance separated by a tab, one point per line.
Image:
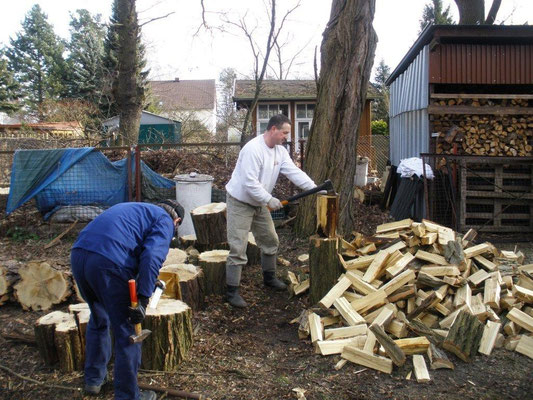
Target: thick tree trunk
210	223
129	96
347	54
471	12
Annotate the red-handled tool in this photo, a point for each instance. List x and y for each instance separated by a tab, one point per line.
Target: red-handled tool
140	334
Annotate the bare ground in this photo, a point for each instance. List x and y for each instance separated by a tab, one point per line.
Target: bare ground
254	353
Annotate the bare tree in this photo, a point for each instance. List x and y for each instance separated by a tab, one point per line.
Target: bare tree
347	55
472	12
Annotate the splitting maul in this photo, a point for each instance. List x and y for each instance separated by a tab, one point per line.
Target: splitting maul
327	185
140	334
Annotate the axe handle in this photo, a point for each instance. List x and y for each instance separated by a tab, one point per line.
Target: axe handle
134	302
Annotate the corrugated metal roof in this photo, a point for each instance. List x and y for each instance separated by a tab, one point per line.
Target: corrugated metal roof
465	34
184	94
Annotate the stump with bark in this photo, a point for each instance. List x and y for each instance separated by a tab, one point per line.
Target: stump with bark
210	223
324	266
213	264
253	253
184	282
41	286
58	340
171	338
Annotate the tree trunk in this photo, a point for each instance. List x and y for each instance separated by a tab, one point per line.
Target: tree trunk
324	266
213	264
471	12
129	95
347	54
209	223
171	338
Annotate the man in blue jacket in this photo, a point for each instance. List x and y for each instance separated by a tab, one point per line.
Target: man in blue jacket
127	241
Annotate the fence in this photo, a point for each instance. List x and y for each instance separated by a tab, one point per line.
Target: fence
489	194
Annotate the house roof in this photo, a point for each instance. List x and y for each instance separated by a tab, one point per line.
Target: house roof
472	34
184	94
153	119
282	90
73	126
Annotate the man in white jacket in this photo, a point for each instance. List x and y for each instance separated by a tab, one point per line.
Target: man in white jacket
249	200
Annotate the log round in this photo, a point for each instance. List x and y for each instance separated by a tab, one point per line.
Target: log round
68	345
253	253
8	277
41	286
175	256
192	286
213	264
187	241
210	223
171	338
324	266
44	335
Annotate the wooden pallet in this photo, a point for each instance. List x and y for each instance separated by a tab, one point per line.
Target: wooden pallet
496	197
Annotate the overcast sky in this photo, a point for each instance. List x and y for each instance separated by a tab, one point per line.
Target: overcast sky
174	50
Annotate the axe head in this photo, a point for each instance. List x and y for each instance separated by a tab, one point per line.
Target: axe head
137	338
327	185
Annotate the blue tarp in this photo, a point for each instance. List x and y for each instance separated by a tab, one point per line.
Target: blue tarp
83	176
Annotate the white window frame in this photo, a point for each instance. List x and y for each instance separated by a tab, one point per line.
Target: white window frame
264	103
302	119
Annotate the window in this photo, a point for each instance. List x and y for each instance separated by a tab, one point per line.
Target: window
304	117
267	111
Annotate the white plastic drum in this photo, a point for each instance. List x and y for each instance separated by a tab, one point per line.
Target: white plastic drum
192	190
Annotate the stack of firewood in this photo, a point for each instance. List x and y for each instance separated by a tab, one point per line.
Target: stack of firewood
485	134
420	289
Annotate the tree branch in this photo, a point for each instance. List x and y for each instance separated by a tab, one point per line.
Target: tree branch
37	382
155	19
491	16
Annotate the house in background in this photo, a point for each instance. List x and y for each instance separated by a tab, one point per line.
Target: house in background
179	97
153	129
295	99
43	130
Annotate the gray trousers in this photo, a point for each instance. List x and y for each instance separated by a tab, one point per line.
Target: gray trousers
243	218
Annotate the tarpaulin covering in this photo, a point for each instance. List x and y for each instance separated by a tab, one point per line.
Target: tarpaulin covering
61	177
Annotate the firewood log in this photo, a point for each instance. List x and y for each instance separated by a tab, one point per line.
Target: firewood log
213	264
210	223
8	277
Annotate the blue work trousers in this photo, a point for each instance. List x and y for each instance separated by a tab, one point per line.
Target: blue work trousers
104	286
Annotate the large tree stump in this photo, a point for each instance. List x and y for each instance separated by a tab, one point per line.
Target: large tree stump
8	277
191	279
327	215
41	286
324	266
44	329
210	223
170	275
189	241
171	337
253	253
175	256
213	264
464	336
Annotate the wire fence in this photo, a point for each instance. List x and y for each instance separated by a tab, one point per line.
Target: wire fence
489	194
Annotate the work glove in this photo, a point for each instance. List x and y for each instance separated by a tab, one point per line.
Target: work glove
274	204
136	314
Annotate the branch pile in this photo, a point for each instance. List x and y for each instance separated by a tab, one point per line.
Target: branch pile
416	289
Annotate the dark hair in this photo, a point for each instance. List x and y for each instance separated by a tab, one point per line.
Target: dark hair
278	121
173	208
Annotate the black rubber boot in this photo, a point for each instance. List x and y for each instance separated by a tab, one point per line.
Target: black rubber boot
270	280
234	298
94	390
148	395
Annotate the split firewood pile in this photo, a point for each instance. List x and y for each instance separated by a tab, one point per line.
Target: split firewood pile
491	134
416	289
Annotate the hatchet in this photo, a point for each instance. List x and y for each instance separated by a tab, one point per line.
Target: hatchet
327	185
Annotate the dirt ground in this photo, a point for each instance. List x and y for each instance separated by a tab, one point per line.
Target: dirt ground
253	353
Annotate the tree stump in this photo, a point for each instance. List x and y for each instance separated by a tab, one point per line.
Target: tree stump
213	264
324	266
187	241
8	277
68	345
170	275
191	279
44	329
81	313
41	286
253	253
210	223
171	337
327	215
175	256
464	336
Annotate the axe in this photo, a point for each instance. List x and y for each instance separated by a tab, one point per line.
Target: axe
140	334
327	185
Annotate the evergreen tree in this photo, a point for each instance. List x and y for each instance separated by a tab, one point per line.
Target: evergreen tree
9	90
86	69
36	59
380	106
433	14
